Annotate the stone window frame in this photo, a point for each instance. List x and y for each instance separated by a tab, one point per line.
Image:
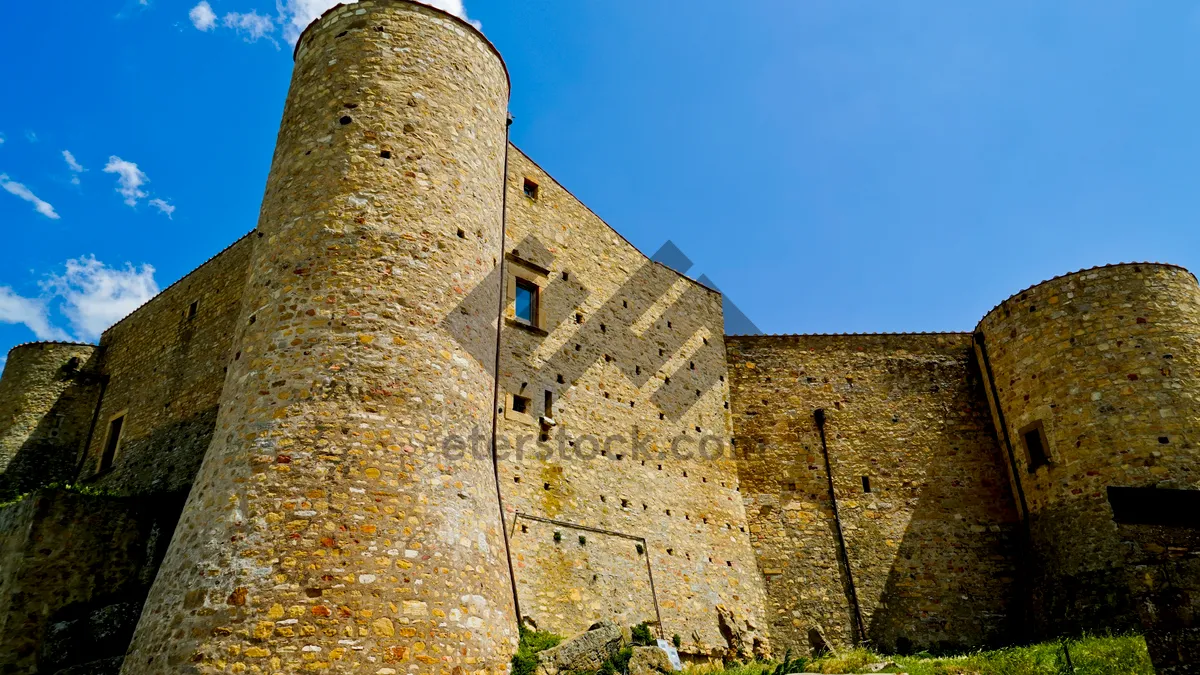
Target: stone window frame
534	275
123	415
511	414
1038	426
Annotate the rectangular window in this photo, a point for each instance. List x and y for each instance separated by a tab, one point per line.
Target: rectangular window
192	309
111	442
1036	451
531	189
866	483
549	403
527	301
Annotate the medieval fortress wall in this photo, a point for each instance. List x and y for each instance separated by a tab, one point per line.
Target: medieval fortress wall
327	391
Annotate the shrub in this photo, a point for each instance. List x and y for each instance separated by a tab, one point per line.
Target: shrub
677	641
525	661
642	636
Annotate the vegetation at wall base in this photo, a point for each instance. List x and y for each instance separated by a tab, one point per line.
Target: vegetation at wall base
1090	655
524	662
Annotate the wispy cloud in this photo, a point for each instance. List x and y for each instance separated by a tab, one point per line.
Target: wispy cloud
14	188
203	17
252	26
1	139
93	296
90	295
130	179
74	166
31	137
32	312
163	206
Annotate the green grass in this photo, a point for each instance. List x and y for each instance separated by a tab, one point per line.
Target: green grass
524	662
1111	655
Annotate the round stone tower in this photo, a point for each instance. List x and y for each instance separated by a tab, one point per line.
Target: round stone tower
1096	378
346	517
44	411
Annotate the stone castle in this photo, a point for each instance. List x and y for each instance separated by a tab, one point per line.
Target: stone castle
432	397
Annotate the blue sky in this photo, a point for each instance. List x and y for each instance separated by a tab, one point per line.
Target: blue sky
834	166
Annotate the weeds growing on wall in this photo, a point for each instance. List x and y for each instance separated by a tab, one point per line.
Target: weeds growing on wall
88	490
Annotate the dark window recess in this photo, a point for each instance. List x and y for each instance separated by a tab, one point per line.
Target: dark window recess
549	403
1155	506
527	301
531	189
560	379
578	318
461	234
866	483
1034	437
111	442
520	404
192	309
566	275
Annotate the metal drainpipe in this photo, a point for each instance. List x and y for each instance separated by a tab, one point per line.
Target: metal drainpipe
512	578
843	557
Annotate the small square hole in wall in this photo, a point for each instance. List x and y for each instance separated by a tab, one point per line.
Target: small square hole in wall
625	304
461	234
566	275
624	503
560	379
578	317
531	189
662	416
866	481
516	479
545	486
520	404
524	528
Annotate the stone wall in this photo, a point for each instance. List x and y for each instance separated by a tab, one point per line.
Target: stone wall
625	347
1107	363
326	529
74	570
919	490
163	368
47	397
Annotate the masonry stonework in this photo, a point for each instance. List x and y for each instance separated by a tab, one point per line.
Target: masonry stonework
1106	363
433	397
919	501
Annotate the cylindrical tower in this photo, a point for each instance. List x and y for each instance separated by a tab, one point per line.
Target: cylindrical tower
44	406
1096	376
329	528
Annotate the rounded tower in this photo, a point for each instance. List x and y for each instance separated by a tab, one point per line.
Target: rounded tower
340	520
1095	374
45	407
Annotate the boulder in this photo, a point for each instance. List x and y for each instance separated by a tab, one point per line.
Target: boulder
649	661
585	652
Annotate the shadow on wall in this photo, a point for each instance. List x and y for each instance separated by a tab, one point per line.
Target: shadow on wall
953	583
77	571
49	452
165	460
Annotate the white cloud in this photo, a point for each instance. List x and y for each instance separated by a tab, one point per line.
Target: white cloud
129	179
1	139
252	26
202	16
15	188
163	206
295	15
94	296
32	312
71	161
75	167
31	137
